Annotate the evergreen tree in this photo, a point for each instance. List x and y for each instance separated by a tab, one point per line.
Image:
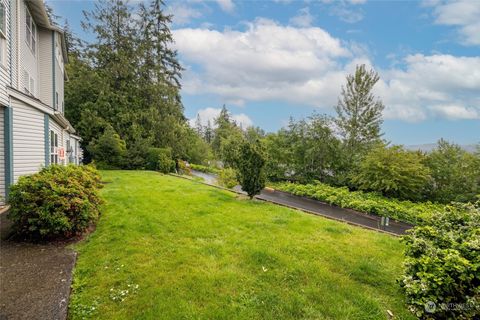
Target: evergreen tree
359	113
250	166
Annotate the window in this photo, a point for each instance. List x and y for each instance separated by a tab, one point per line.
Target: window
53	147
30	31
28	83
3	20
3	35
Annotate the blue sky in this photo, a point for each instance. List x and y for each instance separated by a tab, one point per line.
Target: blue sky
272	60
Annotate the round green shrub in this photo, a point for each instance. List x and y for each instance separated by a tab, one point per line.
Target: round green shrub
59	201
228	178
160	159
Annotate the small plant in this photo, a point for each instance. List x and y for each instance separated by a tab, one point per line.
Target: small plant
228	178
58	201
199	167
442	266
182	168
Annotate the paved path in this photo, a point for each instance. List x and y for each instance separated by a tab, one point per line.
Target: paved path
323	209
35	279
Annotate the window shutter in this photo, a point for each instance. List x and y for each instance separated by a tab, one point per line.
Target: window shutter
26	81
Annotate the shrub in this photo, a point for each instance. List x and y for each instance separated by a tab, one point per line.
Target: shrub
250	168
368	202
394	171
108	150
442	266
182	168
205	169
160	159
228	178
58	201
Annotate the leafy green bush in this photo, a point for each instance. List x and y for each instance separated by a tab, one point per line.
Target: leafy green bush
368	202
250	168
442	266
199	167
393	171
228	178
108	150
182	168
58	201
160	159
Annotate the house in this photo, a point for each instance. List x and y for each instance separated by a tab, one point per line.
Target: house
33	129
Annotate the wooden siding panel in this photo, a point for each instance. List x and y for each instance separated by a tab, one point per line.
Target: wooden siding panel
5	68
2	155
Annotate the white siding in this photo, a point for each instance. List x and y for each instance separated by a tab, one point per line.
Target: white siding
5	65
28	60
28	139
2	156
45	85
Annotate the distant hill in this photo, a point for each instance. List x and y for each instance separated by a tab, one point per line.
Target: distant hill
430	146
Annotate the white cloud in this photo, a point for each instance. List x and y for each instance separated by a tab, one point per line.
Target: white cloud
210	114
182	13
226	5
346	13
307	66
464	14
303	18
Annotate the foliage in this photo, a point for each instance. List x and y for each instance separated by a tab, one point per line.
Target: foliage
359	113
228	177
206	169
250	168
372	203
455	173
160	159
182	168
108	150
306	150
394	172
128	78
442	266
200	241
58	201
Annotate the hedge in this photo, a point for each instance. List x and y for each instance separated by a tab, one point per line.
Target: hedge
368	202
199	167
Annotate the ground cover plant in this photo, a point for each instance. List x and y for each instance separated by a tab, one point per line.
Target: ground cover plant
206	169
180	249
58	201
368	202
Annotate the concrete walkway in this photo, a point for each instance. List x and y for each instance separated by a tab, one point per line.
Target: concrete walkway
35	279
323	209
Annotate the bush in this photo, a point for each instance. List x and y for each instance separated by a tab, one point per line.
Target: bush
394	172
368	202
250	168
108	150
182	168
58	201
160	159
442	266
228	178
205	169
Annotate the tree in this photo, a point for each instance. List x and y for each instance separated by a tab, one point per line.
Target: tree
394	172
109	149
441	278
250	168
359	113
455	173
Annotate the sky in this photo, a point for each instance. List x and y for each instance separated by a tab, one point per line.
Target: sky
268	61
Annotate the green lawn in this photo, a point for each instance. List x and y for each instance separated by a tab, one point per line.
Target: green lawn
169	248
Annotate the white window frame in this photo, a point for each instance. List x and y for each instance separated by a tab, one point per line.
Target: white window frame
3	35
30	32
53	147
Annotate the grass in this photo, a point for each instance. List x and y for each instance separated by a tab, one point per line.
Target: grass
169	248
